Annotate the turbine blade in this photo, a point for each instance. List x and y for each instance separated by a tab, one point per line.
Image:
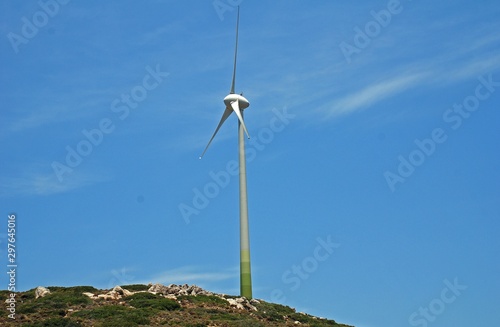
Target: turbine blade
237	111
235	53
226	114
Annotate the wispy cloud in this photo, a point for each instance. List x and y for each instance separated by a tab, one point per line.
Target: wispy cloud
377	75
473	68
37	183
38	118
78	106
372	94
436	73
191	274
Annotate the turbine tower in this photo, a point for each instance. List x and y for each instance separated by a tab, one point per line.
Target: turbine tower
237	103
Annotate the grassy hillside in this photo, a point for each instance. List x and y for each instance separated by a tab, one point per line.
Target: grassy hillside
69	307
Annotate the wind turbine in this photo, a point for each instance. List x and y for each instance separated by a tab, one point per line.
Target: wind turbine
237	103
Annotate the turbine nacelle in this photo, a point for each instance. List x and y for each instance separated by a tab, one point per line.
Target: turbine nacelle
242	101
233	102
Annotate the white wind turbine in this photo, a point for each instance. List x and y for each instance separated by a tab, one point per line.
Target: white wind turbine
237	103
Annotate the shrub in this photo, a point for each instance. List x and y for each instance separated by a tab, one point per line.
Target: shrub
73	289
273	312
63	299
26	308
53	322
136	287
152	301
29	295
4	294
208	299
52	304
249	323
115	315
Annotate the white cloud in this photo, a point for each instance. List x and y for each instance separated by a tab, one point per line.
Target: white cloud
372	94
438	73
473	69
38	118
47	183
191	274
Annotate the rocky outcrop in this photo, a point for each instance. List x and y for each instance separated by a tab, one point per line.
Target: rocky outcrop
242	303
178	290
171	291
41	292
122	291
115	294
174	291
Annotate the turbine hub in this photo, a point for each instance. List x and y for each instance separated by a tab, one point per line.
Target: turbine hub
242	101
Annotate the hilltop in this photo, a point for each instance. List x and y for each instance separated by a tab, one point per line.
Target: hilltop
146	305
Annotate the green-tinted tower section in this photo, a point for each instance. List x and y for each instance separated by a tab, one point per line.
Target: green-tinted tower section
245	269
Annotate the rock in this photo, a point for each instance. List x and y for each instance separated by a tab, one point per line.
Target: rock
158	288
251	307
41	292
241	303
172	291
235	303
115	294
178	290
112	295
122	291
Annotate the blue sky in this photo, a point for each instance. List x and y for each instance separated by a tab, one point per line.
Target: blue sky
374	190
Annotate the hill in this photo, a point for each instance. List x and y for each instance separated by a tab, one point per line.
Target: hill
145	305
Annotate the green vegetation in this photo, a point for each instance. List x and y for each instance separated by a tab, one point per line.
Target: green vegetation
208	300
151	301
54	304
273	312
53	322
115	316
68	307
135	287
